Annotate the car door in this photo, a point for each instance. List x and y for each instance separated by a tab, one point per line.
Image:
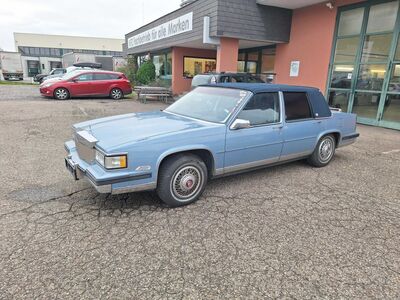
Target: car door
81	85
261	142
300	129
101	83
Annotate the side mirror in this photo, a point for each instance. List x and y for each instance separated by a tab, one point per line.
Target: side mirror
240	124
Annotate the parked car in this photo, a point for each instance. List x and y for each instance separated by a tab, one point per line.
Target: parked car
57	71
213	131
212	78
87	83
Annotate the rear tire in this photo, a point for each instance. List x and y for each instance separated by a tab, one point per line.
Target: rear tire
323	152
116	94
61	94
182	180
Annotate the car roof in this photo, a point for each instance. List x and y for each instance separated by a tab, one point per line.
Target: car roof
264	87
95	71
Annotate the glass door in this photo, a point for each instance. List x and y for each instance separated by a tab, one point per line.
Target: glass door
362	63
390	116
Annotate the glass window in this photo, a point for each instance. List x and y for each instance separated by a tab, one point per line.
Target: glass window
341	76
100	76
238	78
251	67
366	104
193	66
241	62
394	83
296	106
209	103
397	57
382	17
391	111
158	61
346	49
261	109
85	77
339	99
376	48
350	22
268	60
371	77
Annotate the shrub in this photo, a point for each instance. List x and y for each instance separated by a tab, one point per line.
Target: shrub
146	72
130	69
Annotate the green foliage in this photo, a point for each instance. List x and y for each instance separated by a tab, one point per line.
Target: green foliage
130	69
146	72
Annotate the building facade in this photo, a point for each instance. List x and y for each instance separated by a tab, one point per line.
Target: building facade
349	49
40	53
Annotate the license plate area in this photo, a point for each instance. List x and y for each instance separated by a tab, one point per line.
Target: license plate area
71	167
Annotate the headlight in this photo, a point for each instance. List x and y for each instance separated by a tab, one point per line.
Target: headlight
112	161
47	85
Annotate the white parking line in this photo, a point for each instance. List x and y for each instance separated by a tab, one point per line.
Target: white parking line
391	151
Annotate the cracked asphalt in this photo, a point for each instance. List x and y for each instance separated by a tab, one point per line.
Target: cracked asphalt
290	231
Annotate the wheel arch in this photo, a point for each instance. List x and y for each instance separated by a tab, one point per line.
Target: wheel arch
336	133
203	152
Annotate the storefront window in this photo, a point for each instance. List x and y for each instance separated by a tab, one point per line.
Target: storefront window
241	62
391	110
159	63
350	22
193	66
268	60
341	76
382	17
346	49
366	105
339	99
394	84
371	77
376	48
397	56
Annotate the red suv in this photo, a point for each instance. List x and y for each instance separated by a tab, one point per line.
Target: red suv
87	83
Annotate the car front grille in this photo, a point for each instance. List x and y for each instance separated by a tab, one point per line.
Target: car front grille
84	147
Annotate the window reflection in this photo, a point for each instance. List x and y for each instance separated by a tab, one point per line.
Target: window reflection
371	77
339	99
193	66
382	17
394	84
350	22
346	49
366	105
342	76
376	48
391	111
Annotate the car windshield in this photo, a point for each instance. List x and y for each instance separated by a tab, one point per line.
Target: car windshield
212	104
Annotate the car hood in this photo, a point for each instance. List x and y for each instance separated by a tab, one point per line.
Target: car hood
113	132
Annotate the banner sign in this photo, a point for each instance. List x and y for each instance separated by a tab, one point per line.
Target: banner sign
176	26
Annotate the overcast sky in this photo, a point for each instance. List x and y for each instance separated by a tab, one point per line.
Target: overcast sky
99	18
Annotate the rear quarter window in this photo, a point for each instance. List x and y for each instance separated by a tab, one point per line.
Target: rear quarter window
296	106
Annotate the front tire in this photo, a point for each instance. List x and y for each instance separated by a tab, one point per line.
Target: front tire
323	152
182	179
61	94
116	94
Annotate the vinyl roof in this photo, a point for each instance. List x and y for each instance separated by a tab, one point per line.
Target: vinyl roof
264	87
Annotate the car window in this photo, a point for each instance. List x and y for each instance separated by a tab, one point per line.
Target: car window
99	76
114	76
85	77
296	106
254	79
58	71
237	78
224	79
261	109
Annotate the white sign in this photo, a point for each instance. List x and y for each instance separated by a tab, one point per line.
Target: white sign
176	26
294	68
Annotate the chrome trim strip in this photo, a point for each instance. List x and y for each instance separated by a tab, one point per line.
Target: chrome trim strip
136	188
295	155
250	165
219	171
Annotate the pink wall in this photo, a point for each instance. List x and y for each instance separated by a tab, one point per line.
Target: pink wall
181	84
310	43
227	55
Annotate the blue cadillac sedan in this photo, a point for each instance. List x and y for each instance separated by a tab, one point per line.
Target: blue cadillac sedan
212	131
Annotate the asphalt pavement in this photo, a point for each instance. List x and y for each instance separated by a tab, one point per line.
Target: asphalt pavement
290	231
